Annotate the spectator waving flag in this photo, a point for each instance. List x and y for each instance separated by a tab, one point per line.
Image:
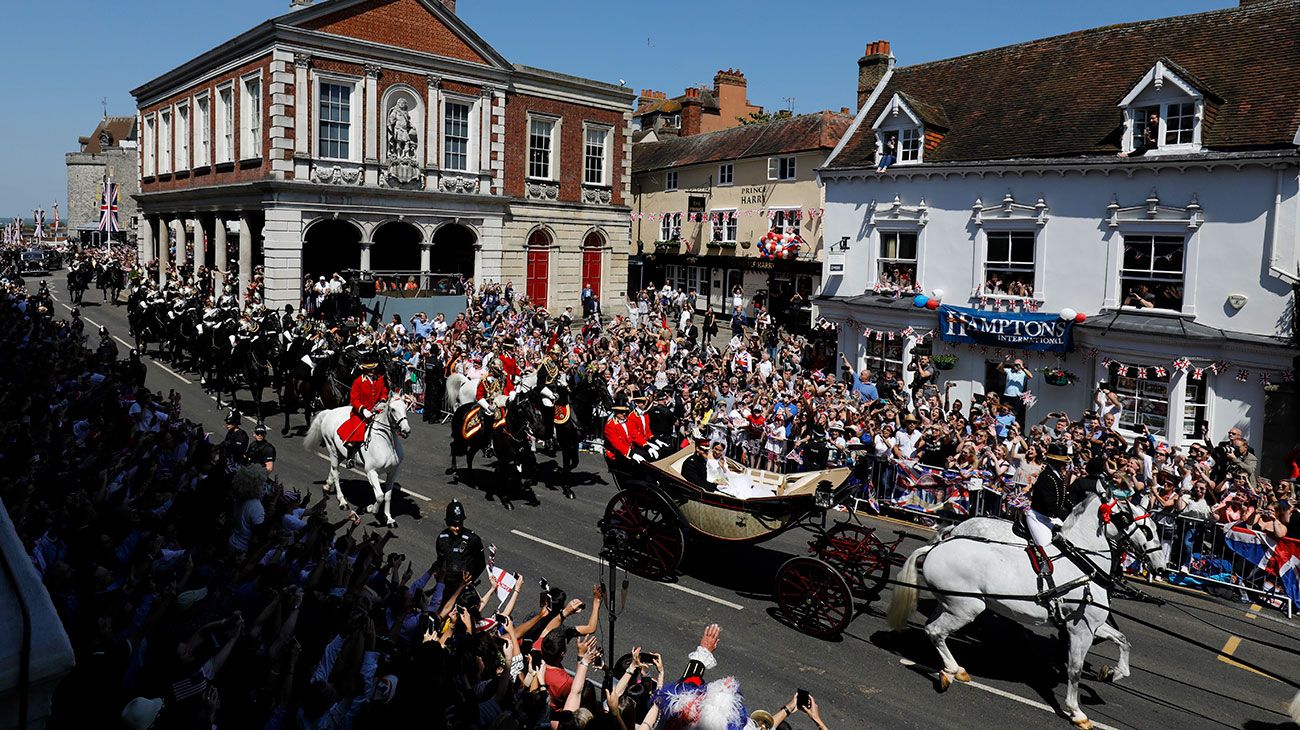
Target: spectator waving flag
108	208
1279	558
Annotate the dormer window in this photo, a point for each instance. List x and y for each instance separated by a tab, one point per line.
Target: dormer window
900	134
1163	113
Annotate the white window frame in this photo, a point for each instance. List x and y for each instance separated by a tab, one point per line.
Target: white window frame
1161	87
201	148
183	121
471	126
730	178
150	145
670	227
670	180
1125	237
879	261
224	149
252	115
605	130
783	168
981	257
729	225
786	218
553	163
354	114
896	118
165	141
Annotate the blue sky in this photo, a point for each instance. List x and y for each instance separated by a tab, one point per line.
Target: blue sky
60	57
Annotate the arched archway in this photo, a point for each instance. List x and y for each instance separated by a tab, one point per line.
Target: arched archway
396	247
453	250
330	246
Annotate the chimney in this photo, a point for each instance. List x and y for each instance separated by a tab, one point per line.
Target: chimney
693	93
297	4
846	110
871	69
450	5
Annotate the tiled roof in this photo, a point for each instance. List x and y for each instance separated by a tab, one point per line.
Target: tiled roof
674	105
1057	97
119	129
797	134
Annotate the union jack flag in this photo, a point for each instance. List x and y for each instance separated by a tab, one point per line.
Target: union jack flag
108	208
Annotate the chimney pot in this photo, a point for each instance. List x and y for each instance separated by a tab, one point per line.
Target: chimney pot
450	5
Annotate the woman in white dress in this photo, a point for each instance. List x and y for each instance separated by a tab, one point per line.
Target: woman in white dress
732	483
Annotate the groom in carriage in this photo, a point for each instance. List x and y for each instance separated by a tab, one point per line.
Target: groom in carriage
368	391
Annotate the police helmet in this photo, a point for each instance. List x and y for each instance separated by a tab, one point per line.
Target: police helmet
455	514
232	418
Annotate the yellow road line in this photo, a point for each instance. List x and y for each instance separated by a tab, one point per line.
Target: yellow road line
1225	655
1253	613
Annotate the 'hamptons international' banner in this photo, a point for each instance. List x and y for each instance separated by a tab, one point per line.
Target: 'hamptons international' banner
1023	330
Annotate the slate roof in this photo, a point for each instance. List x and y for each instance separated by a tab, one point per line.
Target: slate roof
822	130
1057	97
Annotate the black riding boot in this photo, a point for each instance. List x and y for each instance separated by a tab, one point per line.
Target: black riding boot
1043	566
350	457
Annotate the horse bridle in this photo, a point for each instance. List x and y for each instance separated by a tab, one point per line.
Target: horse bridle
1128	525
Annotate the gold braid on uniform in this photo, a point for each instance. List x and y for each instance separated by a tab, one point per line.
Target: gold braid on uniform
1058	484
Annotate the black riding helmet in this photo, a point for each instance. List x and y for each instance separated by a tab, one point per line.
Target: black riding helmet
455	514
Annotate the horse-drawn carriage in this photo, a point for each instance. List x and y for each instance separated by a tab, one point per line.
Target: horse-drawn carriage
649	524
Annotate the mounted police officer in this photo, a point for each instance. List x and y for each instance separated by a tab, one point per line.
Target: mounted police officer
458	549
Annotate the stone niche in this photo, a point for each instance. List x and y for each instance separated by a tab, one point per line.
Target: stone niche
402	154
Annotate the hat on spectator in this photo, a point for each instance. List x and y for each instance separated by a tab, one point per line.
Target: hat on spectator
762	719
140	713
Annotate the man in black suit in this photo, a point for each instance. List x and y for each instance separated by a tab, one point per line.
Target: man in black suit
695	468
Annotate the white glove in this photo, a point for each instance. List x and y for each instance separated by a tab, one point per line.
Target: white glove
365	413
654	451
638	458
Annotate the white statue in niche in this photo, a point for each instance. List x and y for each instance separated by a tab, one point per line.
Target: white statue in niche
403	138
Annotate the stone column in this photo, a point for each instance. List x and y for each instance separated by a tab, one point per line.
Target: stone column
144	236
426	255
164	248
301	138
485	133
200	242
220	259
373	120
365	255
245	254
432	139
182	252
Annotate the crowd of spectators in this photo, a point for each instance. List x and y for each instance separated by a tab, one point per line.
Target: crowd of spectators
199	590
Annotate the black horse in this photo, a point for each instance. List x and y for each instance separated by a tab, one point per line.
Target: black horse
305	387
590	400
511	435
252	364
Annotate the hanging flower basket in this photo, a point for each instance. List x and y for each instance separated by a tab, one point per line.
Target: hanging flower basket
1058	376
944	362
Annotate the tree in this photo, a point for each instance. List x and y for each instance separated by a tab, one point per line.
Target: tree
761	117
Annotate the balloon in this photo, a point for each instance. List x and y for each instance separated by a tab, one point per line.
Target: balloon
932	304
1080	317
938	293
920	300
1068	314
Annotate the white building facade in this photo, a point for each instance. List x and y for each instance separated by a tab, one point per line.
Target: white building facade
1182	257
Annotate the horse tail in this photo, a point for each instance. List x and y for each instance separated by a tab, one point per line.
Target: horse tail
314	436
903	602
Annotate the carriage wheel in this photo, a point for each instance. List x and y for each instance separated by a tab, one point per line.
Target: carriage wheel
644	527
859	555
814	597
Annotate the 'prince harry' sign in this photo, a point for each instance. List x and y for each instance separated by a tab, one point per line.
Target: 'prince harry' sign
1023	330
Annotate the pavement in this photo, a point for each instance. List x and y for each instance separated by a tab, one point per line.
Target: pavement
1186	672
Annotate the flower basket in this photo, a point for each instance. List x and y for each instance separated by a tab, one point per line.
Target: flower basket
1058	377
944	362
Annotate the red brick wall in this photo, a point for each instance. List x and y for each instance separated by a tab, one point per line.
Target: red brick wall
571	144
402	23
692	118
225	173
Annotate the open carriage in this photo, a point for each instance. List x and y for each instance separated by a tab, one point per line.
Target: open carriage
657	514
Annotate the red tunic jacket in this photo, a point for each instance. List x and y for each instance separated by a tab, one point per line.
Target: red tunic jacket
639	428
366	394
618	439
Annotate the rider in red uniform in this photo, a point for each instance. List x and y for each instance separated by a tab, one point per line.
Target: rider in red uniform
368	391
508	365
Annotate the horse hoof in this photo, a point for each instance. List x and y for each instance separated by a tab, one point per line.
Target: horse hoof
450	471
508	506
390	524
1082	723
961	676
1106	673
370	508
945	681
569	495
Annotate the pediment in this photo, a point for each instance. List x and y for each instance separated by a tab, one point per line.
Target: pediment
424	26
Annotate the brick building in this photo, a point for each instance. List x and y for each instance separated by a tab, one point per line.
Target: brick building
384	135
696	111
112	150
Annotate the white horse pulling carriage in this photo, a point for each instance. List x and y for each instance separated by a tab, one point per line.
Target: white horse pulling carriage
380	454
981	565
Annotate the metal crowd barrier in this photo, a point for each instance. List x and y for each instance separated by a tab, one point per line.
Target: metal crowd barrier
1196	553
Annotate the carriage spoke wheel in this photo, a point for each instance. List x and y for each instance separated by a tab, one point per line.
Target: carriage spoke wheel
814	597
859	555
649	540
